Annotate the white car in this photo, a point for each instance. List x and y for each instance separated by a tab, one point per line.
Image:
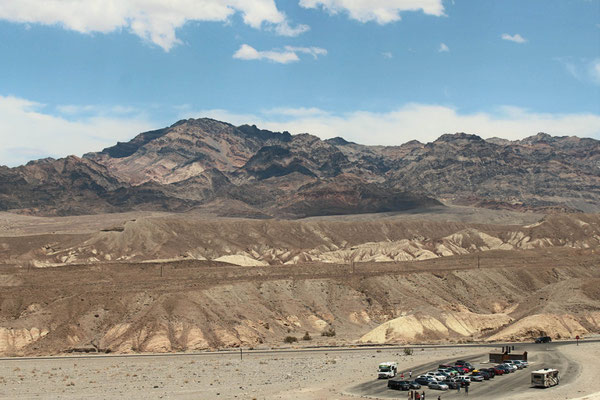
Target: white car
512	367
464	378
476	378
516	364
435	375
520	363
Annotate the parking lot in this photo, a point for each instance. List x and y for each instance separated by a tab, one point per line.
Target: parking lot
499	387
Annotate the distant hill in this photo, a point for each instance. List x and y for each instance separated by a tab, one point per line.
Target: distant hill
247	171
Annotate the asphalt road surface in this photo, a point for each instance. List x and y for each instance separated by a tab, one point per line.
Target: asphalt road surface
500	387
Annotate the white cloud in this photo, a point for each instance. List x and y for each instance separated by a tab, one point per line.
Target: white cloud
246	52
514	38
443	48
27	132
287	55
387	54
380	11
152	20
415	121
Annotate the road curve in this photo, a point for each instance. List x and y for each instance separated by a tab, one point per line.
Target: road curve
500	387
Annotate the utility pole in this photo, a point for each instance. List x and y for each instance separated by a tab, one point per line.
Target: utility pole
478	266
161	270
241	354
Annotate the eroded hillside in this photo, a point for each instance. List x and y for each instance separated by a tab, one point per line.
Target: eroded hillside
191	305
184	282
274	242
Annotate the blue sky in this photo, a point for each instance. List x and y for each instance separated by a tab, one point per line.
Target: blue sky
77	76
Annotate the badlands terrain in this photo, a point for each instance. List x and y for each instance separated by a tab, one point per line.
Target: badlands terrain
159	282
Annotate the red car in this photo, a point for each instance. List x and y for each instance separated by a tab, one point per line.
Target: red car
498	371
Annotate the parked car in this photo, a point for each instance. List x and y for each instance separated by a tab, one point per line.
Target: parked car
436	375
448	371
464	378
477	378
424	380
438	386
511	366
498	371
515	364
465	364
504	368
414	385
522	363
480	374
398	385
463	370
452	384
490	371
543	339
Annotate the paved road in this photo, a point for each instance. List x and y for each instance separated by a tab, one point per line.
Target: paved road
500	387
325	349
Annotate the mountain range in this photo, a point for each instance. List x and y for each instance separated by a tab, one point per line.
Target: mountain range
227	170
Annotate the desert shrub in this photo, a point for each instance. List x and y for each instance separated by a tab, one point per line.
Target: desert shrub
408	351
306	336
330	332
290	339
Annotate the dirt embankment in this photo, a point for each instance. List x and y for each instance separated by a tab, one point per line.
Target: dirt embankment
274	242
189	305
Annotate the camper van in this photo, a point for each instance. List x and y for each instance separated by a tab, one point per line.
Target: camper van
387	370
544	378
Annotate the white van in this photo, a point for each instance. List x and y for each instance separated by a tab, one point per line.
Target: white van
387	370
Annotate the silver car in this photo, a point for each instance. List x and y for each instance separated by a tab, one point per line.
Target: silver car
438	386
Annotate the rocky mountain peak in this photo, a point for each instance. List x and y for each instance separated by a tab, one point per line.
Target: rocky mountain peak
458	138
540	137
202	161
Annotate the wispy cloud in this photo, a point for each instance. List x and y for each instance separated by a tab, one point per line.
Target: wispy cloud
594	71
387	54
284	29
380	11
443	48
514	38
584	70
289	54
313	51
155	21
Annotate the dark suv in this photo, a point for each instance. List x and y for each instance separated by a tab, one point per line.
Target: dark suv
398	385
543	339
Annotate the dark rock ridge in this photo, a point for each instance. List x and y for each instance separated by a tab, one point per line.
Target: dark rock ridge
247	171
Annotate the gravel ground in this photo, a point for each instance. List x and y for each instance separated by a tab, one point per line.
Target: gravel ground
280	375
305	375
